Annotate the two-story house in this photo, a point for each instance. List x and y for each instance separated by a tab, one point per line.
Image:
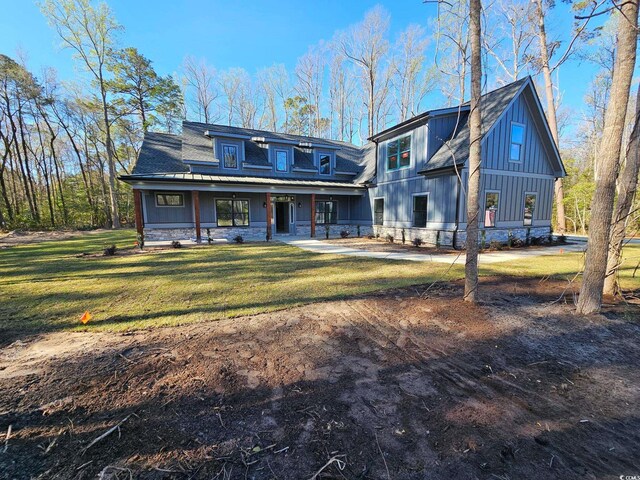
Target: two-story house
411	177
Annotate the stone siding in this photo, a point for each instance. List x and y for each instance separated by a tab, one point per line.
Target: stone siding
334	230
428	236
501	235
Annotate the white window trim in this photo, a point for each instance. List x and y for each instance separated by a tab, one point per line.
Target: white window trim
533	217
484	207
215	211
155	198
511	142
239	159
386	151
413	200
275	159
374	211
332	159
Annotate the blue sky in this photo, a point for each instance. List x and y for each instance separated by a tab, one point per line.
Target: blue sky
248	33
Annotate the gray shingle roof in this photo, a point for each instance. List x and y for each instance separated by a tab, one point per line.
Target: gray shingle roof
160	152
456	150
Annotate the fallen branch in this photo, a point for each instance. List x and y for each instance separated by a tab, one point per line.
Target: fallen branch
6	439
335	459
382	455
106	434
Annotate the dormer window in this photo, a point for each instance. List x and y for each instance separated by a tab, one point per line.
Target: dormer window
325	164
399	153
230	155
282	161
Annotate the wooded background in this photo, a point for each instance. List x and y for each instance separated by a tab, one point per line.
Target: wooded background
62	144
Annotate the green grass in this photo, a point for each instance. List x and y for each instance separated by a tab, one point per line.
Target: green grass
46	286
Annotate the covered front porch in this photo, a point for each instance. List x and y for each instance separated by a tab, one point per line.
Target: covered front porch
172	212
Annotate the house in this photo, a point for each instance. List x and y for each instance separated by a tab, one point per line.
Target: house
408	179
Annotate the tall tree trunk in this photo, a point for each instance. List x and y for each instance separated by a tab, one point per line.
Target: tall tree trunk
551	111
475	154
627	185
111	165
603	199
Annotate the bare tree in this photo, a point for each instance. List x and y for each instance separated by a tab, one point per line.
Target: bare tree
509	42
475	153
612	139
310	75
365	45
274	83
411	79
201	79
89	31
230	82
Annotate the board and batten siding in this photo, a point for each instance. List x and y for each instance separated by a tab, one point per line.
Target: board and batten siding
398	200
440	129
162	216
496	145
512	190
418	156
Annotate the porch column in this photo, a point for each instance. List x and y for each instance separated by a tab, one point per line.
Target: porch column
196	212
137	206
313	215
268	216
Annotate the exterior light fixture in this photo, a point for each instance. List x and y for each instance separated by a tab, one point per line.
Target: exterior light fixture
299	204
264	204
233	195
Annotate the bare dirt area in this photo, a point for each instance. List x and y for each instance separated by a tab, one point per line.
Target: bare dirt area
392	385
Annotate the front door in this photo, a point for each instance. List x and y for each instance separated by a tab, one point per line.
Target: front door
282	217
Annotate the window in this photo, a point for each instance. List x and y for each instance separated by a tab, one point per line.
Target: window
282	162
420	211
378	211
230	156
399	153
232	213
491	208
169	200
326	212
325	164
517	139
529	208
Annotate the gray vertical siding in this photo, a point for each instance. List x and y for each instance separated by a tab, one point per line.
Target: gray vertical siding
511	207
496	145
398	200
418	156
440	129
167	215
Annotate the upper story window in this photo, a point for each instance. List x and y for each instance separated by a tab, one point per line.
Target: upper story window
517	140
325	164
399	153
230	155
282	161
169	200
491	203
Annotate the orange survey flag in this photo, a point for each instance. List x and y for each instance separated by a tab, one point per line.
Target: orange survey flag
86	316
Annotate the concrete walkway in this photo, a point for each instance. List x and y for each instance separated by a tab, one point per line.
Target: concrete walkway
318	246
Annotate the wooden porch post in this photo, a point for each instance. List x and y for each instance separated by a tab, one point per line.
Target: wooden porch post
137	206
196	212
313	215
268	216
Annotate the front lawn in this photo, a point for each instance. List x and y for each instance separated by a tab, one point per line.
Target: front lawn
47	286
